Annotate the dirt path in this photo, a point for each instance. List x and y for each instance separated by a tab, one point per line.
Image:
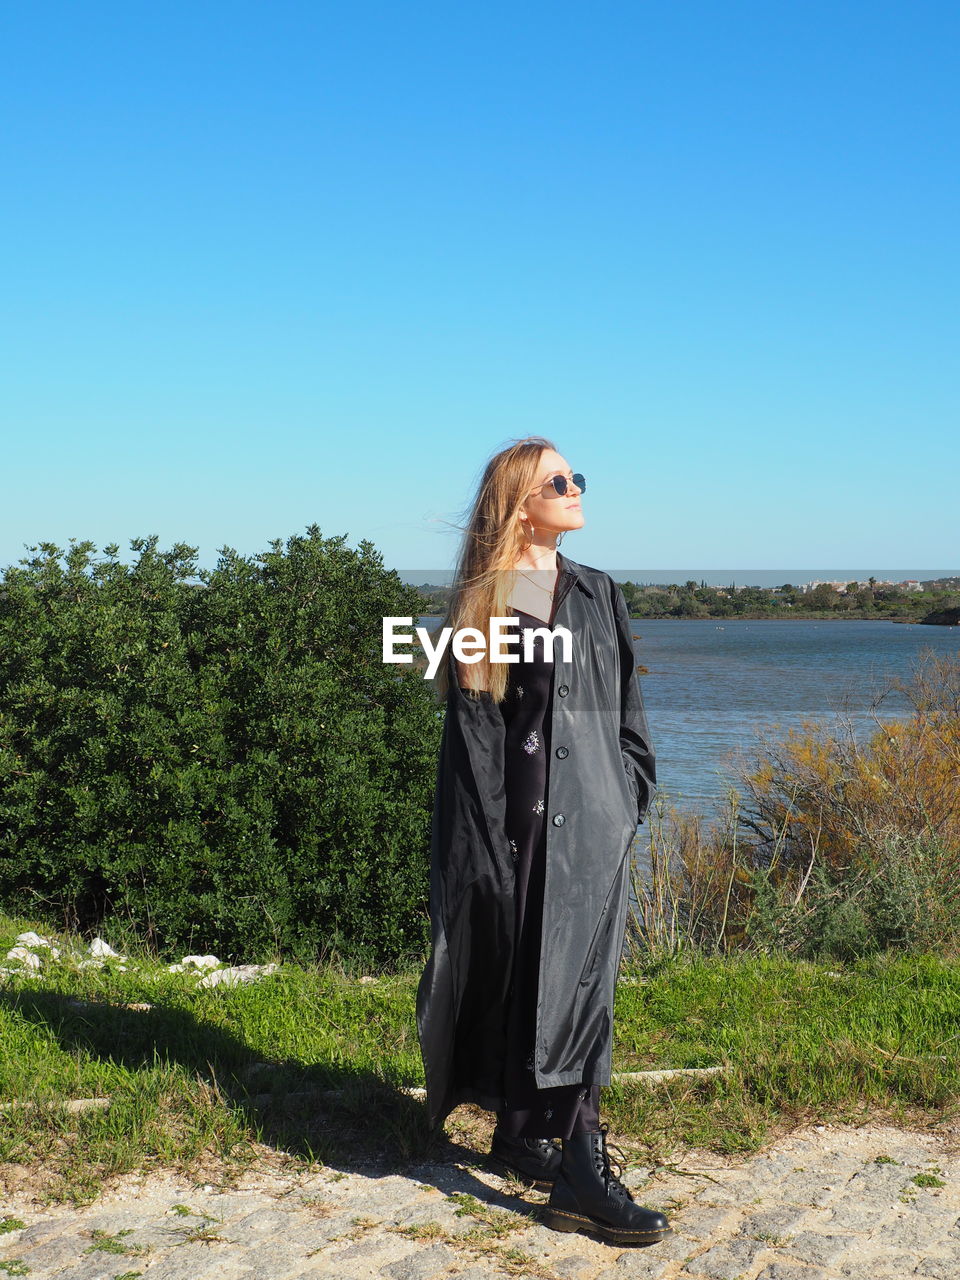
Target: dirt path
825	1203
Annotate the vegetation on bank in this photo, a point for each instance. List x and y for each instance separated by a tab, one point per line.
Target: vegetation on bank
697	600
233	767
311	1063
788	601
835	845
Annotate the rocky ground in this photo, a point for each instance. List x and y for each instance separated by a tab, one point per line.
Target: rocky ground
825	1203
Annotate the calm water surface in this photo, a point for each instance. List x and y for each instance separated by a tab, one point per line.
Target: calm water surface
712	684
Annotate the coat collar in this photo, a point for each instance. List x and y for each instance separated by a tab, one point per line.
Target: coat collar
571	573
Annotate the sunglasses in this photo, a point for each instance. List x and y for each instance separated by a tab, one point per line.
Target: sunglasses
561	484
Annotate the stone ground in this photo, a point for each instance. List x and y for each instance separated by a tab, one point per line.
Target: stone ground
825	1203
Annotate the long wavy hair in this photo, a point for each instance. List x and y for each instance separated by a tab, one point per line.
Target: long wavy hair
493	540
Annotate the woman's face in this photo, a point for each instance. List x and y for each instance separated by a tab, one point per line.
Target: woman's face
544	508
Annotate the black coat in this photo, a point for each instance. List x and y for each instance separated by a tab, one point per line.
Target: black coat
601	781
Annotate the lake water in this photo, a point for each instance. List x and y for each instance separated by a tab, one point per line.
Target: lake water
712	683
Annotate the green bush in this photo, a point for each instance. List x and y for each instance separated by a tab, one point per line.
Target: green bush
227	764
893	896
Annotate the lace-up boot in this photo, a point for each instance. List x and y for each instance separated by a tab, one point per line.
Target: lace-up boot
588	1195
535	1161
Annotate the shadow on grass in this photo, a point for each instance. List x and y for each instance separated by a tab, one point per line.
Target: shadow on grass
346	1118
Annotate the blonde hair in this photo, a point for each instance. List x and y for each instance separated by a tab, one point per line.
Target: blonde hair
492	542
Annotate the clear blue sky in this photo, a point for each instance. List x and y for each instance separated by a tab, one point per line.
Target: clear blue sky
269	265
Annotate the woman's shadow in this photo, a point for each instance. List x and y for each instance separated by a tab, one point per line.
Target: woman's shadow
346	1118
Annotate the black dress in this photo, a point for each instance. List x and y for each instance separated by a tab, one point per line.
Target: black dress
531	1112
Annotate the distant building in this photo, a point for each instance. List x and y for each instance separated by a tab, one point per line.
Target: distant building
842	586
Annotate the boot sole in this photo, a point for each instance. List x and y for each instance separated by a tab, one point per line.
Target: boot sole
563	1220
528	1179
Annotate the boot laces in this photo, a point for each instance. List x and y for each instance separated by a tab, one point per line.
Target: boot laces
612	1170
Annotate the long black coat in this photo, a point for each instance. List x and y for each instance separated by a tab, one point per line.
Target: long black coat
602	777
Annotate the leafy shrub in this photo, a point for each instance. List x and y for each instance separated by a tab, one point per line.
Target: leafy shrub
226	764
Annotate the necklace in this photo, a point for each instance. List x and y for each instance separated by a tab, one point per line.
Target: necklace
548	590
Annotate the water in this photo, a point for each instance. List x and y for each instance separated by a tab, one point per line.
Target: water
713	683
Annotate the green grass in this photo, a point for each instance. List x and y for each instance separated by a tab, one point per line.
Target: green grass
798	1039
201	1081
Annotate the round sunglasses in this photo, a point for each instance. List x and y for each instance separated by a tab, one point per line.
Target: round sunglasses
561	484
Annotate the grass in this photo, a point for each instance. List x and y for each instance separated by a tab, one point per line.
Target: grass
103	1242
799	1039
305	1066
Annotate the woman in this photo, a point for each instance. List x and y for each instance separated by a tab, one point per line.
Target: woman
537	801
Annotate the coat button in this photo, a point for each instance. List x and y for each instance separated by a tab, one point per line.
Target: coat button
562	753
558	819
563	690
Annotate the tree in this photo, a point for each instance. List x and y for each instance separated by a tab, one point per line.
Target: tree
824	596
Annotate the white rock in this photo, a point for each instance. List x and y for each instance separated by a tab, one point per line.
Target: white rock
236	975
26	957
366	980
100	948
200	962
32	939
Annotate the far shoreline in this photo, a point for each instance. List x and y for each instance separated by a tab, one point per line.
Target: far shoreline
722	619
789	617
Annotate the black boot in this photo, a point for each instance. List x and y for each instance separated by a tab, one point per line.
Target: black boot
587	1194
535	1161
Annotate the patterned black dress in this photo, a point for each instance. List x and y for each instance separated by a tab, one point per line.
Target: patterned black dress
531	1112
